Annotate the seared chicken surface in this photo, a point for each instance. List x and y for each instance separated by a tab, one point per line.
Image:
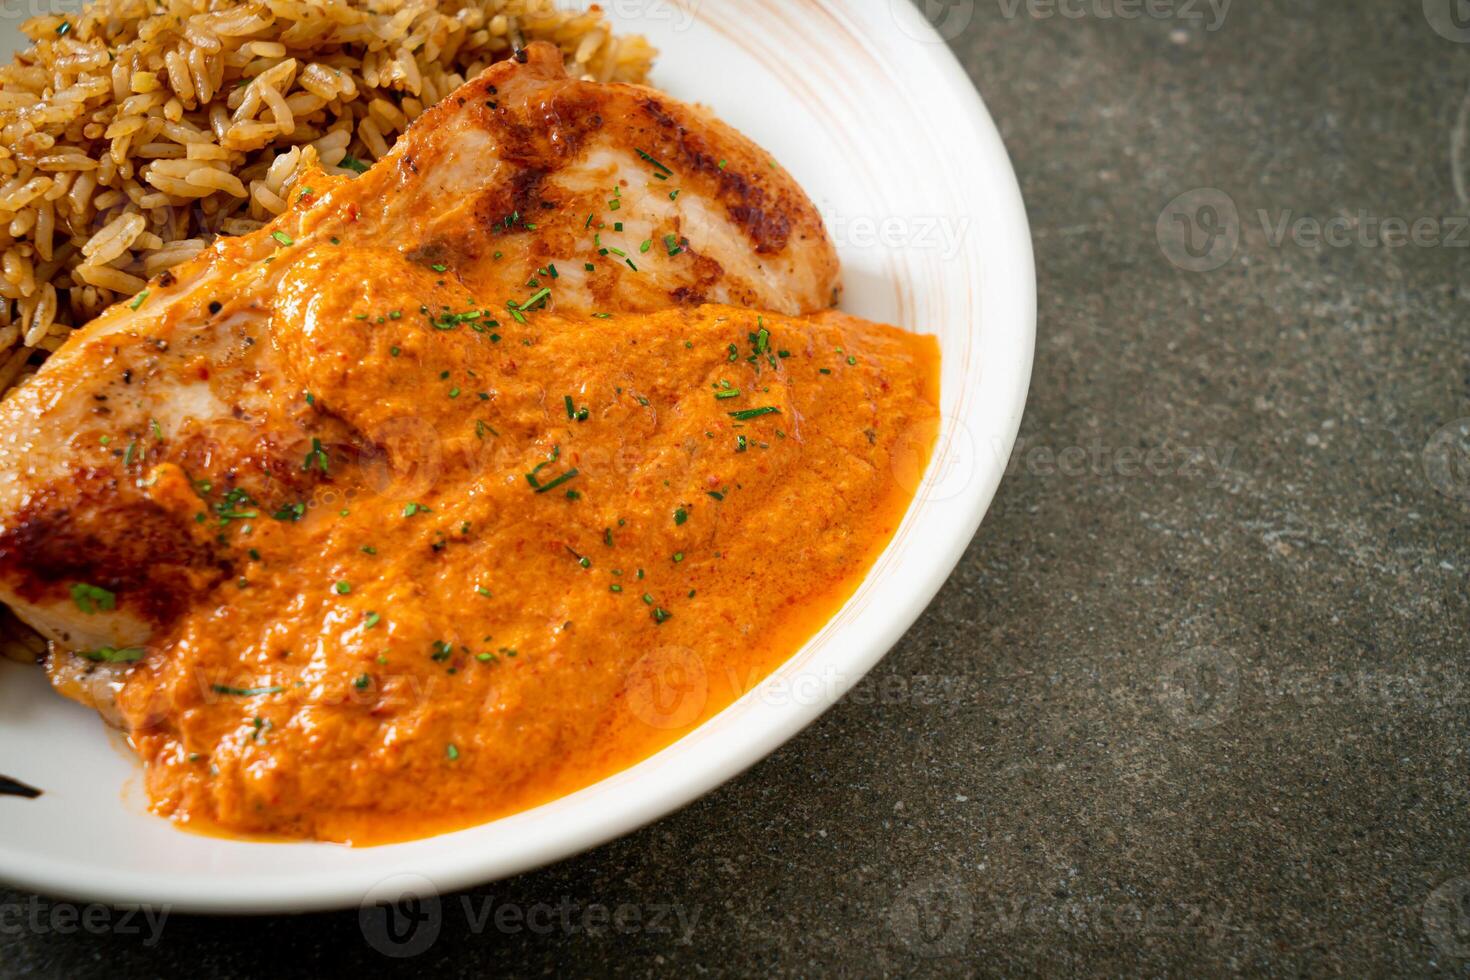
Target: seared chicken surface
528	193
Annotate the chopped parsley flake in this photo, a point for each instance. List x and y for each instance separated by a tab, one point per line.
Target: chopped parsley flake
91	599
317	457
113	655
245	692
290	512
754	413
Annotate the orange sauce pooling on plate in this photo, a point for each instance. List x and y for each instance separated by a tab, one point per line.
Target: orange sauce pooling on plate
577	541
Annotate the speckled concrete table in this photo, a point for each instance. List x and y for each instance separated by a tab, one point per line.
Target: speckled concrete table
1195	699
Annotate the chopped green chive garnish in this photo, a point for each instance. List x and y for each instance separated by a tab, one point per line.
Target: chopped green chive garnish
317	457
651	160
245	692
283	238
91	599
290	512
111	655
754	413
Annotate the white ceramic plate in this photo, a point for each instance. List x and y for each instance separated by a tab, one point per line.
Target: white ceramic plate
863	102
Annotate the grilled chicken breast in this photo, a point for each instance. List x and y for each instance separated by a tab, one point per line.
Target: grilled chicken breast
530	192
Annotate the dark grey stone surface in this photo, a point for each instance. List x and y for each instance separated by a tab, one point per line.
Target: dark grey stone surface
1198	711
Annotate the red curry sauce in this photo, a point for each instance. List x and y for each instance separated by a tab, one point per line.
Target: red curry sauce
583	537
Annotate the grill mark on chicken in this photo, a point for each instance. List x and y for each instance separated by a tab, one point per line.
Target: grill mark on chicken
62	537
765	222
